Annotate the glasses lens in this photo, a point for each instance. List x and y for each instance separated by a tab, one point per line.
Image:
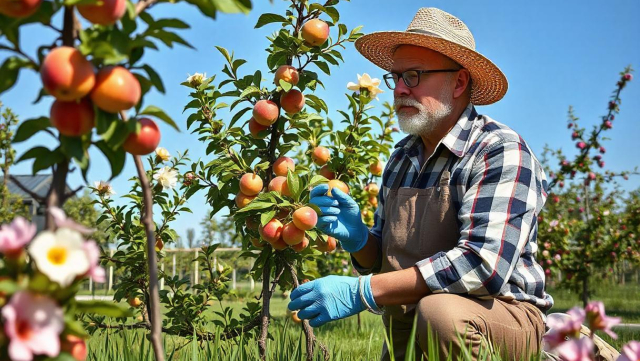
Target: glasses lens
391	80
411	78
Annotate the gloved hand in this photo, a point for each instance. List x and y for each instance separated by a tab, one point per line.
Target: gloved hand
340	218
330	298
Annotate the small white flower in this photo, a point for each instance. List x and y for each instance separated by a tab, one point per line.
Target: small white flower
104	188
167	177
366	82
61	255
196	79
163	154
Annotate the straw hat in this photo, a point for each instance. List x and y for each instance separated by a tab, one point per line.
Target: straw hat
442	32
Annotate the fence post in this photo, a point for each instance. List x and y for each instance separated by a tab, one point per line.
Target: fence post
233	279
91	286
162	279
195	265
111	270
251	282
173	274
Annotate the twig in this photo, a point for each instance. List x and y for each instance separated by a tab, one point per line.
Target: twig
72	193
33	195
19	51
143	4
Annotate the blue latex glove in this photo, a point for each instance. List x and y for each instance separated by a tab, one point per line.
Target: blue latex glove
330	298
340	218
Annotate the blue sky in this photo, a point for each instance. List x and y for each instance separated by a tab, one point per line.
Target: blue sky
554	54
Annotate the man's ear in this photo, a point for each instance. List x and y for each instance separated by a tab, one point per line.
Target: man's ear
463	80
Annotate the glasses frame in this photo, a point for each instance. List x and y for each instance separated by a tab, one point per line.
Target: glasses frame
391	83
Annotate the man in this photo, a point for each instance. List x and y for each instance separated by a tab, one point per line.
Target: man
454	239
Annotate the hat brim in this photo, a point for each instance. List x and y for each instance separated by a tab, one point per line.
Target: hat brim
489	83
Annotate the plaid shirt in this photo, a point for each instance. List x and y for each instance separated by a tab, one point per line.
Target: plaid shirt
500	188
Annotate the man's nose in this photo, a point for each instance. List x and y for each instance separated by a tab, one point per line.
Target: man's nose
401	89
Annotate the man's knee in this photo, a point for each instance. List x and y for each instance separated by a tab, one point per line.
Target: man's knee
446	316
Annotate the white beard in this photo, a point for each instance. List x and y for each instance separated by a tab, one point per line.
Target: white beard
426	120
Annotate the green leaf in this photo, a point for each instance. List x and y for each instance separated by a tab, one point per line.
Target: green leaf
172	23
54	157
268	18
34	152
9	71
267	216
285	86
160	114
333	13
105	308
30	127
106	123
8	287
323	66
237	116
225	53
116	157
294	185
154	78
250	90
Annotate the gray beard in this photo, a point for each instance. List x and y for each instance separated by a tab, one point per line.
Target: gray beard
425	121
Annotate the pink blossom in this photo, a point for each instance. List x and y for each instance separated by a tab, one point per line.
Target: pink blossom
96	272
628	76
554	223
14	236
576	350
563	326
630	352
33	324
557	257
608	124
598	320
62	221
581	145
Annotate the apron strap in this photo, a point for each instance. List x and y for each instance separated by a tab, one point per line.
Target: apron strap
397	182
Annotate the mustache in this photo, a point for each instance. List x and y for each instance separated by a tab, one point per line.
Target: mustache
406	102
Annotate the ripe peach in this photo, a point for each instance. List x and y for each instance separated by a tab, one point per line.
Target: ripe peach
334	183
305	218
301	246
255	128
376	167
315	32
66	74
19	8
116	89
279	184
242	200
291	234
287	73
325	172
271	231
266	112
251	184
134	302
258	243
320	155
279	244
106	13
282	165
293	101
372	189
144	142
75	346
373	200
328	246
74	118
295	318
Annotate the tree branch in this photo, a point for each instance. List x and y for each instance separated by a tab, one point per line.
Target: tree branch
33	195
142	5
72	193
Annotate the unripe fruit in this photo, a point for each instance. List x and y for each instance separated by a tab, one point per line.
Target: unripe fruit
116	89
295	318
251	184
242	200
75	346
144	142
315	32
293	101
159	245
66	74
74	118
376	167
291	234
328	246
372	189
305	218
334	183
266	112
279	245
19	8
282	165
255	128
325	172
271	231
287	73
321	155
258	243
134	302
301	246
279	184
106	13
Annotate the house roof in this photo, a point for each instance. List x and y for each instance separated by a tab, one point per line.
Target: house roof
38	184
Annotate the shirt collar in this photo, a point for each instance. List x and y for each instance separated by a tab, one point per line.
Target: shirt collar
456	140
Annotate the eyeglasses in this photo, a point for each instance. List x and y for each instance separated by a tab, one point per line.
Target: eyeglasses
411	77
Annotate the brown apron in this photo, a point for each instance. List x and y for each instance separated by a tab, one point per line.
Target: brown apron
418	224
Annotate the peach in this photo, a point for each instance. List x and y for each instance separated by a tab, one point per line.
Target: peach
116	89
373	200
266	112
282	165
74	118
159	245
106	13
75	346
279	245
376	167
315	32
301	246
372	189
19	8
287	73
279	184
255	128
293	101
305	218
251	184
334	183
320	155
258	243
271	231
291	234
242	200
325	172
134	302
66	74
144	142
328	246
